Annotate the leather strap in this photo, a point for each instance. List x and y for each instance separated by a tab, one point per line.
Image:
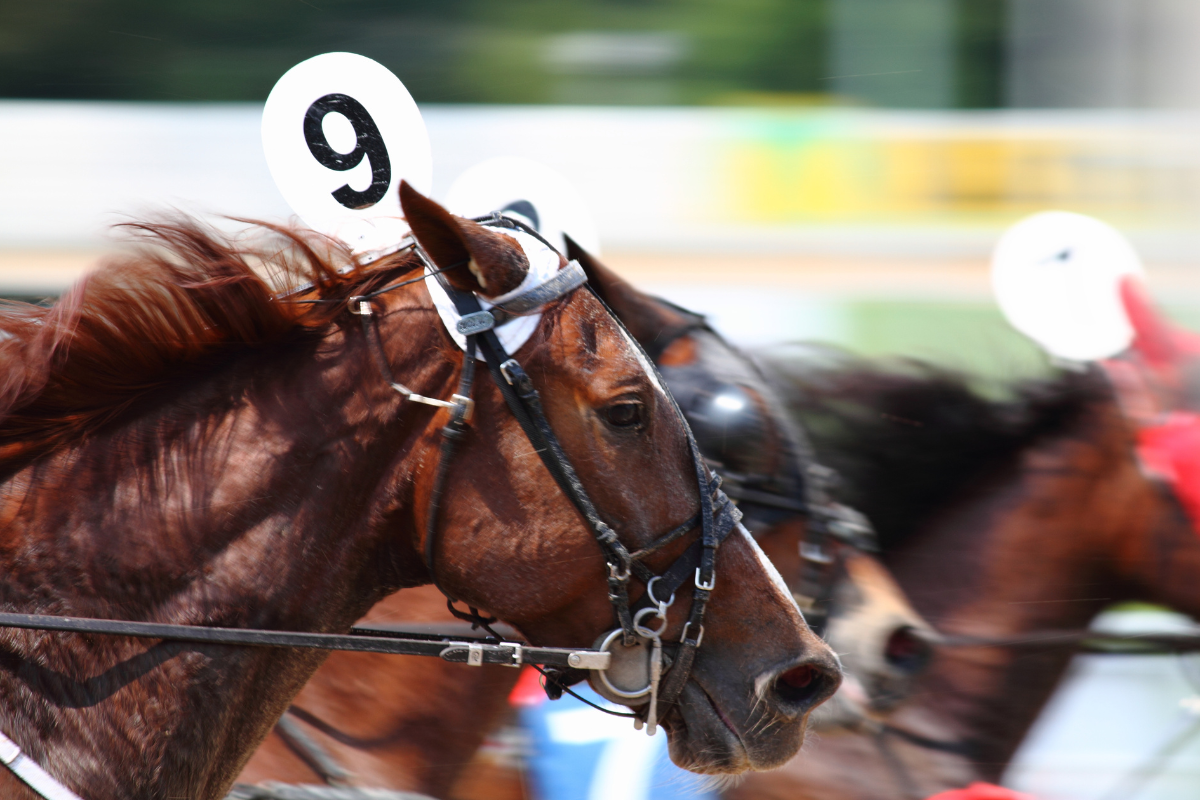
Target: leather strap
566	280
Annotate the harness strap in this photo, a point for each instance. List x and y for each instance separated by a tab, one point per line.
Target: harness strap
28	770
525	404
452	434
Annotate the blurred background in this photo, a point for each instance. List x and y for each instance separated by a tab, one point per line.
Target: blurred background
835	170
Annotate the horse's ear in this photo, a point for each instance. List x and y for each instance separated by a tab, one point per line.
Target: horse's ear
475	258
646	319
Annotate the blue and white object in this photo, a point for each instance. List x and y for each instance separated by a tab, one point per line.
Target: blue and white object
531	191
580	753
1056	276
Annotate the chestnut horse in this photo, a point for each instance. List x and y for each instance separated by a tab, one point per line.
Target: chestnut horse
181	445
1007	520
408	724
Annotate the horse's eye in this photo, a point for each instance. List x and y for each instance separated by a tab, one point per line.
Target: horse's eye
624	415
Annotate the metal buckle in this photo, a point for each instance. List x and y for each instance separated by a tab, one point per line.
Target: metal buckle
364	306
518	653
683	636
619	576
708	587
505	367
467	404
814	553
477	322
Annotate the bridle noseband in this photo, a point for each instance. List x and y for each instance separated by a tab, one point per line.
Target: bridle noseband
716	518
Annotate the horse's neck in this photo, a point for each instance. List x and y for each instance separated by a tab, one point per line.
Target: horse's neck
254	500
1050	528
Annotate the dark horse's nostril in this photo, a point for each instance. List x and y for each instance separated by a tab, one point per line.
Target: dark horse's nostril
804	686
907	650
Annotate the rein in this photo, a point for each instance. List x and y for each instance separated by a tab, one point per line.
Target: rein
1088	642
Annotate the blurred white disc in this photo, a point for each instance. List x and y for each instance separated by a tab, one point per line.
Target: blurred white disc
530	190
1056	276
339	132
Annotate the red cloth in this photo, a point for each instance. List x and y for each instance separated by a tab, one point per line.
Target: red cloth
1164	346
528	691
1171	451
982	791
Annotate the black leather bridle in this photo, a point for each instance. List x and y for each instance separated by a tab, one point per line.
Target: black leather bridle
717	515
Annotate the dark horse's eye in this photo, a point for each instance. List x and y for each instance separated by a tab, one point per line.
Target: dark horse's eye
624	415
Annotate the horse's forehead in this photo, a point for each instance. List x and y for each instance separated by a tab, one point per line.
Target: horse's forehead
586	340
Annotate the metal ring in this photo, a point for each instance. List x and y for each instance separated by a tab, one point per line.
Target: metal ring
603	673
505	367
655	600
650	633
621	577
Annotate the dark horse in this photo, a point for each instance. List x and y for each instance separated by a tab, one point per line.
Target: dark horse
412	724
181	445
1007	520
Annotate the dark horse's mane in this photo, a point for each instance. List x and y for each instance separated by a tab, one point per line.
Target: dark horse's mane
188	298
908	437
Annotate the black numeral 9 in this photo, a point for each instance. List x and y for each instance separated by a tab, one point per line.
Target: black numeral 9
368	143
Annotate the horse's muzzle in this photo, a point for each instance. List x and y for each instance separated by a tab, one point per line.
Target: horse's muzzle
711	732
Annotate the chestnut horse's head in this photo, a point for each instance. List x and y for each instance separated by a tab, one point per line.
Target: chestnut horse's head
513	533
745	431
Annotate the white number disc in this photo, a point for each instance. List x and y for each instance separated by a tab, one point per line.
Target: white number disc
1057	277
340	131
531	191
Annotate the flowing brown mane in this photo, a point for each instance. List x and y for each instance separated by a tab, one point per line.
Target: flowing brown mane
186	298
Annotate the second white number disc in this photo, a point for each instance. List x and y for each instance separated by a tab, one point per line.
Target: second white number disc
536	193
1056	276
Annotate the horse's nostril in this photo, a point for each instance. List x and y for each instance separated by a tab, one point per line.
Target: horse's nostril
805	686
907	650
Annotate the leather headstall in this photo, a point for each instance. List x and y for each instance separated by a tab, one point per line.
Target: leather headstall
716	518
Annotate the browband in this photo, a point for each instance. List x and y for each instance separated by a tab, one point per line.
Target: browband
566	280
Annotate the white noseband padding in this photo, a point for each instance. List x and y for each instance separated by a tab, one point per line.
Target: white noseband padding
543	264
